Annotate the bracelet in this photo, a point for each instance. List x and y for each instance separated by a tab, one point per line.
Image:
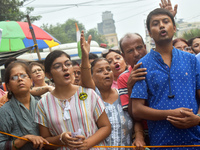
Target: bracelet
86	68
61	138
13	142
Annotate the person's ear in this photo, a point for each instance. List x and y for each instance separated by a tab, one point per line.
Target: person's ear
8	87
149	33
174	29
145	46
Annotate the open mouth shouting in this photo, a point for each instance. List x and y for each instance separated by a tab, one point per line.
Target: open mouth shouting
117	67
66	75
163	32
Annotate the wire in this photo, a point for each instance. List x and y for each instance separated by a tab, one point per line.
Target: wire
134	15
28	3
85	4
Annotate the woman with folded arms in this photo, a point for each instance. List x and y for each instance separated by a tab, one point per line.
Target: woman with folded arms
40	87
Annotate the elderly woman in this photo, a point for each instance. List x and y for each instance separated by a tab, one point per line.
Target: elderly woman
182	44
40	87
100	78
70	108
17	115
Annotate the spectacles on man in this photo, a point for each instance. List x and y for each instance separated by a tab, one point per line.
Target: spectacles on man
59	66
37	70
16	77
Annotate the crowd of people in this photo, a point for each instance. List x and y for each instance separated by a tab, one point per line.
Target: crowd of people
127	97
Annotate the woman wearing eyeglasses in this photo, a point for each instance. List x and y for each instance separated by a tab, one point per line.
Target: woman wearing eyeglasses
117	63
70	108
182	44
99	77
38	77
17	115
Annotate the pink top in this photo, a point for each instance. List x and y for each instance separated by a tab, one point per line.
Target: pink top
114	85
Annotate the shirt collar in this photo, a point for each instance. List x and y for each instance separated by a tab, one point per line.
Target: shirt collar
157	55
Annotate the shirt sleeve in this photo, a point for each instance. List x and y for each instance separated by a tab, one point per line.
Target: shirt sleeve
99	106
123	91
140	90
197	74
5	126
40	116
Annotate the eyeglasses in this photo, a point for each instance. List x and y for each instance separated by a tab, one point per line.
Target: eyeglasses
16	77
37	70
59	66
188	48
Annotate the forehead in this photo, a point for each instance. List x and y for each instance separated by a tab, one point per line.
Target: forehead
76	68
35	67
112	55
60	59
197	40
133	40
159	17
17	69
100	64
180	43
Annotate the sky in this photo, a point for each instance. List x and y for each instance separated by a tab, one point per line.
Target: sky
129	15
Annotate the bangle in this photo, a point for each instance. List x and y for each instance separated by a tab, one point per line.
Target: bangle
61	138
86	68
13	142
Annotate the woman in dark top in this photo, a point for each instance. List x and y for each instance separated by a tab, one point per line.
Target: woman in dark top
17	115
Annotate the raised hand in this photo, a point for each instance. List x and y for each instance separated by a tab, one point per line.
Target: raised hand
85	46
166	4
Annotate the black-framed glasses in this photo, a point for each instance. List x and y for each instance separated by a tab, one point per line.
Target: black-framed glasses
59	66
16	77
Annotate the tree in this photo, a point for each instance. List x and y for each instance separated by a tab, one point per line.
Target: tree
65	33
10	10
96	37
191	33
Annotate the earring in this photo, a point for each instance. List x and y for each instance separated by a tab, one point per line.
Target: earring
51	80
9	94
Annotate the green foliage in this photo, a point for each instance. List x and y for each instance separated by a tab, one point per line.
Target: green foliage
96	37
65	33
10	10
191	33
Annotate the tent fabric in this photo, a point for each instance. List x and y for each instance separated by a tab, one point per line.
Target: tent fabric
5	55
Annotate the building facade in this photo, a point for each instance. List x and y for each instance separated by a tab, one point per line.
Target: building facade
107	28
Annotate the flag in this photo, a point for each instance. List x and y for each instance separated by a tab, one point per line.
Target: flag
78	37
0	35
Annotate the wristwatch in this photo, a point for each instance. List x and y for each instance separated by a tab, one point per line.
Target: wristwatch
198	116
